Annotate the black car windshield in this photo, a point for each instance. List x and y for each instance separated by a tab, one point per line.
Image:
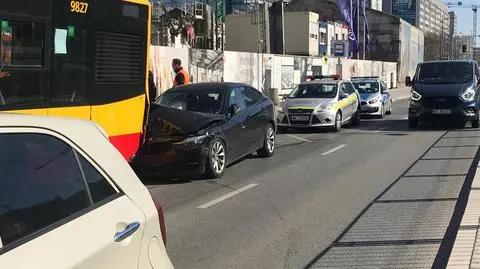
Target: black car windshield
196	100
446	72
323	90
366	87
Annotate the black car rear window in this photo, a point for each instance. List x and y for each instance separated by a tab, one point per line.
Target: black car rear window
445	72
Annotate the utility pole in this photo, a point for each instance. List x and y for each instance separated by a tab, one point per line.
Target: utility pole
351	20
259	39
358	27
364	36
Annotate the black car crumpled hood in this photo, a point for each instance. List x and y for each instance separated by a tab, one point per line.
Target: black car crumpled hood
179	122
435	90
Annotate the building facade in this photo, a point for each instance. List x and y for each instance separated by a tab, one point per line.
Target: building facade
375	4
453	23
328	32
301	32
462	47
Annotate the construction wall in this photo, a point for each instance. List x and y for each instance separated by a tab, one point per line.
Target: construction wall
263	72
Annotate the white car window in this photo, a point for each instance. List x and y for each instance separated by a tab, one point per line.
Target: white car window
43	183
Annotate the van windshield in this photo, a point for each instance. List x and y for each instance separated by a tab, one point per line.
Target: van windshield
445	72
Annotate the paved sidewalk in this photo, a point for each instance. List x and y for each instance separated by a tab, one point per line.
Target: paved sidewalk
399	94
466	249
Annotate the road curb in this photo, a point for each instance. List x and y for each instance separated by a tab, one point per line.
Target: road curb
401	98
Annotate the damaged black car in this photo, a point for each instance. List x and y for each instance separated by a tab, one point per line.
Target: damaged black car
199	129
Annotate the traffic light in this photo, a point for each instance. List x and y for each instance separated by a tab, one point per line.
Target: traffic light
464	48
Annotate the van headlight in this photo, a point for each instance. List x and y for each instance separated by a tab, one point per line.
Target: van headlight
468	95
415	96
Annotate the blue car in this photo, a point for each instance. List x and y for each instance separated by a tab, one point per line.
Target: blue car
375	99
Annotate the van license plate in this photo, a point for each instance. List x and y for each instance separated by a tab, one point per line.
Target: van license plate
442	111
299	118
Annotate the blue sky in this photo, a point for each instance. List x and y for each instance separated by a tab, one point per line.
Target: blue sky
465	17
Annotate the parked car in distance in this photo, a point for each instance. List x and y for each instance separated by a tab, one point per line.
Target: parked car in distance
324	101
375	99
447	90
201	128
68	199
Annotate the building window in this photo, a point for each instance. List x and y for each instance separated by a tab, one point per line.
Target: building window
336	36
343	36
323	38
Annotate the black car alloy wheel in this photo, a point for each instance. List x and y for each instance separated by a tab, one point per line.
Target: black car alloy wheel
217	158
268	142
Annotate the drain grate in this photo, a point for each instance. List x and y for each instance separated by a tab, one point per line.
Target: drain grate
402	221
404	256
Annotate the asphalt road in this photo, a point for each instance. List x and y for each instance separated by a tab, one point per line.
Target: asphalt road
325	199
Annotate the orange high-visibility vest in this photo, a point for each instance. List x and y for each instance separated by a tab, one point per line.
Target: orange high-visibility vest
185	75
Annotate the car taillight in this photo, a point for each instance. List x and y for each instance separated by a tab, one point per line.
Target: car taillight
161	219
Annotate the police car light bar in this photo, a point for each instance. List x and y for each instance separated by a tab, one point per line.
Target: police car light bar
334	77
371	77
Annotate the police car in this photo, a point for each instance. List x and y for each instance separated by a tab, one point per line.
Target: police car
323	101
375	98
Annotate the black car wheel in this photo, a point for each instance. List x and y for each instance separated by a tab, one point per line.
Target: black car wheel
268	142
412	122
217	158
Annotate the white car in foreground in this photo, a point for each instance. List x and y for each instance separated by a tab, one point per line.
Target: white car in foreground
68	199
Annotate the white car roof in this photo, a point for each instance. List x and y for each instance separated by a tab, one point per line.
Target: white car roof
63	125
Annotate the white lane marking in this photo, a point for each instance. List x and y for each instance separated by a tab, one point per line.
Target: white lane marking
299	138
380	129
334	149
228	195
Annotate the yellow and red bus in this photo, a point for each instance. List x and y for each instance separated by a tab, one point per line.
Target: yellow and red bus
78	58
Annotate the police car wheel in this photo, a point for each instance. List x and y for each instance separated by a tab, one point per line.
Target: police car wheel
338	122
356	119
382	111
389	111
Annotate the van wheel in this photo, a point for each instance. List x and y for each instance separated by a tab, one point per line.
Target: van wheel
475	123
412	123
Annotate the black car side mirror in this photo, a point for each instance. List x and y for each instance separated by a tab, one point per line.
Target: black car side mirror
234	109
343	96
408	81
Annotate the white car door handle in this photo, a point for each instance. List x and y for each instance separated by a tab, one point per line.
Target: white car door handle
129	230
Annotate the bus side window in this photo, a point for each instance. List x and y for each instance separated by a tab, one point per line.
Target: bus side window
23	74
72	66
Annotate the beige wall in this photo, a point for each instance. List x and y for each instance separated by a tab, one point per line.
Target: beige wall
267	71
297	33
240	33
